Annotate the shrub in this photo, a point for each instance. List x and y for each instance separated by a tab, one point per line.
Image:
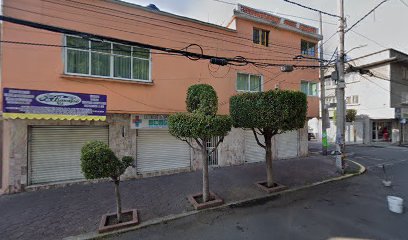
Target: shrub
99	161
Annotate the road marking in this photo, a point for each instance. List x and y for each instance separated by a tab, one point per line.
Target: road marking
387	164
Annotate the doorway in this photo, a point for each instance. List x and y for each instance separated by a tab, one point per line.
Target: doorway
382	131
213	157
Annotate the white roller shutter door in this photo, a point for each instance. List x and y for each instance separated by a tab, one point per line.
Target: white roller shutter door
288	145
157	150
55	152
253	152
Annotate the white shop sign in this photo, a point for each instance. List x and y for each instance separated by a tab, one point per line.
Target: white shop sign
148	121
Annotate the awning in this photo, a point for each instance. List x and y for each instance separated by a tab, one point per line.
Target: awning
52	117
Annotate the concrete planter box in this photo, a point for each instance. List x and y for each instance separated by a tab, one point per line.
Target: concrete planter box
194	200
104	227
277	188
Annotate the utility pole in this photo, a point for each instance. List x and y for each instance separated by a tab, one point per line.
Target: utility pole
322	93
341	106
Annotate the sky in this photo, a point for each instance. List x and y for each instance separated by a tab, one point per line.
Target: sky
385	28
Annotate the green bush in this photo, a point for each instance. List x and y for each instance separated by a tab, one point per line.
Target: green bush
197	125
202	98
99	161
351	115
280	110
201	124
268	114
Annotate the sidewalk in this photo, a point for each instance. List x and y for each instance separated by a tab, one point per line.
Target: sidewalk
77	209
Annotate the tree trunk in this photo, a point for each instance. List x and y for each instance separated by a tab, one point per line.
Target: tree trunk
118	201
268	158
206	184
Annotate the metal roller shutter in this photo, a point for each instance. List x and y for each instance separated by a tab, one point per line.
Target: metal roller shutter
157	150
288	145
55	152
253	152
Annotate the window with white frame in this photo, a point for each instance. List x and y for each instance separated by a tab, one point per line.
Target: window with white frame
249	83
352	99
106	59
309	88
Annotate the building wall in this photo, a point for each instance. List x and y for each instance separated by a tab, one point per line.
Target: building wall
232	150
122	140
15	145
44	67
399	85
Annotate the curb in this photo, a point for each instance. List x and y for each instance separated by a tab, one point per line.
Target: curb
240	203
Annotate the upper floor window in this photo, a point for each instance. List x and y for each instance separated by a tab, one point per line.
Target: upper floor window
249	83
404	73
261	36
330	83
106	59
309	88
352	99
308	48
330	99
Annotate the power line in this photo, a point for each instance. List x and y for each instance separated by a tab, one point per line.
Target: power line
132	32
225	2
361	19
312	9
162	20
278	13
330	37
80	48
137	33
237	61
403	2
369	39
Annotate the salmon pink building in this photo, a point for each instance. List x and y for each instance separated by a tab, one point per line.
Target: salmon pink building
78	70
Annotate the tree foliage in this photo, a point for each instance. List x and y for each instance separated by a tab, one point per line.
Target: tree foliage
277	110
351	115
202	98
99	161
269	113
197	125
200	123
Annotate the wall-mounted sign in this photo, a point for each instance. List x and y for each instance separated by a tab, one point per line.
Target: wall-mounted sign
401	113
35	104
141	121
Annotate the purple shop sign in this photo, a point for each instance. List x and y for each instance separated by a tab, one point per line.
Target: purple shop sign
23	101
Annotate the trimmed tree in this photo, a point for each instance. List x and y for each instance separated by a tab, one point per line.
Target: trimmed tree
268	114
351	115
99	161
200	124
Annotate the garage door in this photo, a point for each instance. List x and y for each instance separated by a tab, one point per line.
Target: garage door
253	152
287	145
55	152
157	150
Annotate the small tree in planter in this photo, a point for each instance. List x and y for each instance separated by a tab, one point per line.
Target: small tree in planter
99	161
200	124
268	114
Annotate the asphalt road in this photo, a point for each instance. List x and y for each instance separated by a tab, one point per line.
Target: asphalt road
355	208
